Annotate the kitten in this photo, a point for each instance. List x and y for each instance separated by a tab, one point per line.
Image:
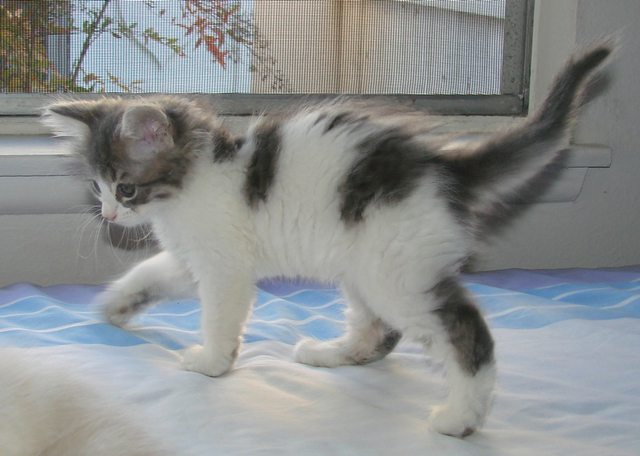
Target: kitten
47	410
338	192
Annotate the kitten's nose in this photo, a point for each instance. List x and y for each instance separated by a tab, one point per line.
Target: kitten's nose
109	215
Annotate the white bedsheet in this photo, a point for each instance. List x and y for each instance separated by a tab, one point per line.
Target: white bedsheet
569	372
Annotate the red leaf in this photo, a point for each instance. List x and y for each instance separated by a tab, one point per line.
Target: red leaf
218	32
200	23
210	42
220	56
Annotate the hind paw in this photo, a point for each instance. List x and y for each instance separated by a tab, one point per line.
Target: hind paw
455	423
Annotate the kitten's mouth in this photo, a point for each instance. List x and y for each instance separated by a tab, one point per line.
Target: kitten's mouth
125	222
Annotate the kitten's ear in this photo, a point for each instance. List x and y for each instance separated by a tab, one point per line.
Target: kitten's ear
73	118
149	128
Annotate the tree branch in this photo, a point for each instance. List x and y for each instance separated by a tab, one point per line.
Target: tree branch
87	42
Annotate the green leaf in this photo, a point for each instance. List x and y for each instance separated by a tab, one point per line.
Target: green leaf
56	30
90	77
107	22
177	49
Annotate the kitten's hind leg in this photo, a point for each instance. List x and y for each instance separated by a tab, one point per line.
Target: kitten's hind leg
160	277
367	339
465	345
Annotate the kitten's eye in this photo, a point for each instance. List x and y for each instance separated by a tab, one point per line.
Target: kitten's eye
95	187
126	190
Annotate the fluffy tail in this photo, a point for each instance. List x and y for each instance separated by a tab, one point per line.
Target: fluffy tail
493	179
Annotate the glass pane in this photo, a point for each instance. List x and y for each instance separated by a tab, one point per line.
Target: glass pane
253	46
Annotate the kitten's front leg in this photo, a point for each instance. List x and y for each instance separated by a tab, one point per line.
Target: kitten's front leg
226	302
160	277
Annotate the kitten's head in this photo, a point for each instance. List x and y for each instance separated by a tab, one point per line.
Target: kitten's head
135	153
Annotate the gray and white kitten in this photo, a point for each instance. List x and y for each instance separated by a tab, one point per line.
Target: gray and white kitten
338	192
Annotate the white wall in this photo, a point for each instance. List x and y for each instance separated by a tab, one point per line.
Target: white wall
50	249
602	227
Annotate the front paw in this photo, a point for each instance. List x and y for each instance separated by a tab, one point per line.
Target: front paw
119	306
196	359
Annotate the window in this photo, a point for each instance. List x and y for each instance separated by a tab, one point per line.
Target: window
450	56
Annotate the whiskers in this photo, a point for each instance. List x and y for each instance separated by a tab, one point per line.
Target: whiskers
94	233
89	215
136	240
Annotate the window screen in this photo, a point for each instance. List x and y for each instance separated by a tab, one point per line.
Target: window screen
421	49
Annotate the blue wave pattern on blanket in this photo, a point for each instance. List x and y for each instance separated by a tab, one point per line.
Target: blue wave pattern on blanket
520	299
33	316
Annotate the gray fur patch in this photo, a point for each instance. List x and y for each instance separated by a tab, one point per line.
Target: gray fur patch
388	169
386	345
140	300
467	330
391	339
261	170
344	118
225	146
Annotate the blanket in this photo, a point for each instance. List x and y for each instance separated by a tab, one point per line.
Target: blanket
566	344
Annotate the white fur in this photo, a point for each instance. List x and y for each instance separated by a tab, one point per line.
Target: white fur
46	409
468	403
65	127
